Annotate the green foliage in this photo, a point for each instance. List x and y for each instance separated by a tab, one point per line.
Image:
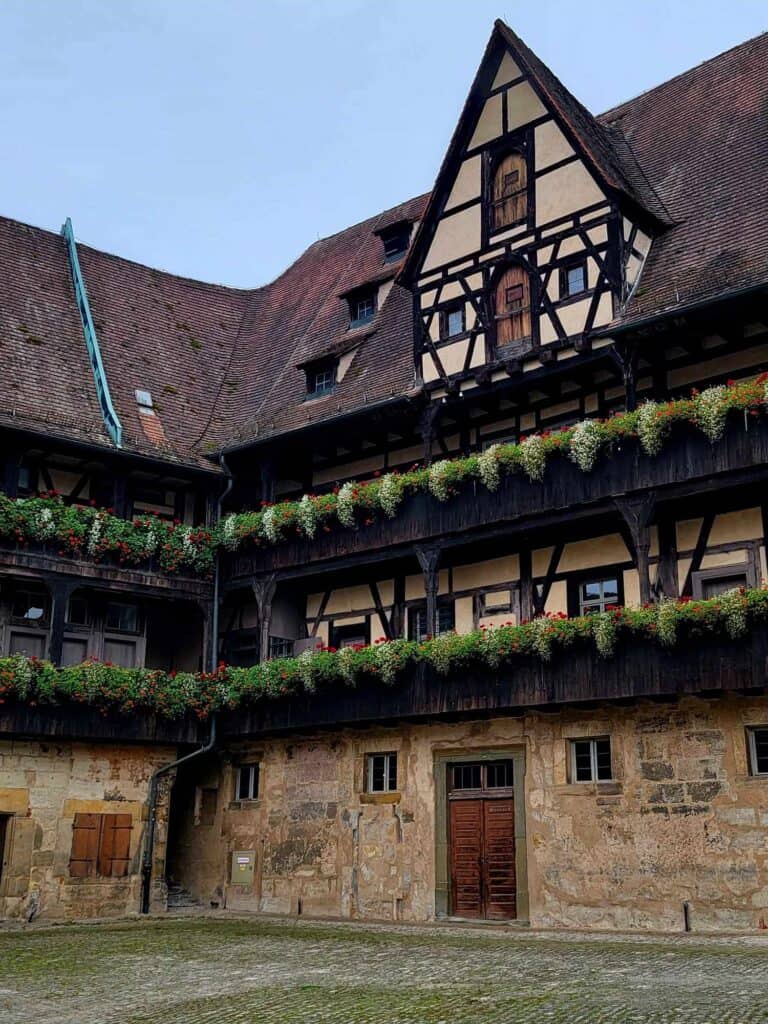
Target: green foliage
171	695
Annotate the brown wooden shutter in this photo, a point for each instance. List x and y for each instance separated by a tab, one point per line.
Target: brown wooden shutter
513	306
510	192
114	852
500	883
466	857
86	833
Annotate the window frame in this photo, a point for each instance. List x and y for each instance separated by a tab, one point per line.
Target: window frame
420	608
701	577
565	269
279	647
329	370
752	756
254	781
390	774
597	575
355	299
458	306
594	778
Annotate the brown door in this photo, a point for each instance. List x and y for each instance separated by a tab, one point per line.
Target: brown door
482	845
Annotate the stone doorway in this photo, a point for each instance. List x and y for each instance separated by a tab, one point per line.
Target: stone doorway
480	835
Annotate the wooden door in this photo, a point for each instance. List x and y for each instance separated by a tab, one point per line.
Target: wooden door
482	844
466	858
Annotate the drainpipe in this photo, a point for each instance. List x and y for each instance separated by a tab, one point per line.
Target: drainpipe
210	743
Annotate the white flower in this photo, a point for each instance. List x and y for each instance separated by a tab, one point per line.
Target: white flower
542	638
387	661
666	623
345	504
94	534
604	631
345	657
269	525
46	525
712	411
306	670
651	428
187	545
733	608
308	515
533	457
151	539
228	532
488	465
390	495
586	441
438	479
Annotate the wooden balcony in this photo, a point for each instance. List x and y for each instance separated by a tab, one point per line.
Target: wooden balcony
639	670
688	465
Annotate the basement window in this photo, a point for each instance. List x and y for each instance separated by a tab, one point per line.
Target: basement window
247	787
590	760
101	846
381	773
757	742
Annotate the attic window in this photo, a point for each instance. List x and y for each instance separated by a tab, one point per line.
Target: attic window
362	307
395	240
321	379
144	400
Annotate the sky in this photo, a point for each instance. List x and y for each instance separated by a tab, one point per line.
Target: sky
217	139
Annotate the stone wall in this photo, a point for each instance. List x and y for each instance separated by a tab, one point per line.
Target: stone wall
43	785
682	822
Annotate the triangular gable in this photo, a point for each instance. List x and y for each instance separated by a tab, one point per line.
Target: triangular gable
531	92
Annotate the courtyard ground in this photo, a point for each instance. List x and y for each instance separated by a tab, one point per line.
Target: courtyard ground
238	971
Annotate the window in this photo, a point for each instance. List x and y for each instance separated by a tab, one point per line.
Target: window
280	647
321	381
597	595
573	278
509	202
395	239
591	760
452	320
30	605
757	741
417	620
513	306
350	635
77	612
122	617
101	845
480	776
711	582
362	307
381	773
247	787
497	602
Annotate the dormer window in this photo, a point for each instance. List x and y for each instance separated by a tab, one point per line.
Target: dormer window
509	200
321	379
513	306
362	307
395	240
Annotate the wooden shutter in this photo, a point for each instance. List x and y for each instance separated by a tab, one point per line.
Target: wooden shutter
513	306
86	833
115	847
466	857
510	192
499	881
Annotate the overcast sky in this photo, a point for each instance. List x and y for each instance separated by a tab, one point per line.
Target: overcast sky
218	138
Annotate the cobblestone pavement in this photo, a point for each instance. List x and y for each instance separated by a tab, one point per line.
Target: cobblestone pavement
236	971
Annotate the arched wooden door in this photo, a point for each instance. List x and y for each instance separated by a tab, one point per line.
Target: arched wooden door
513	306
510	192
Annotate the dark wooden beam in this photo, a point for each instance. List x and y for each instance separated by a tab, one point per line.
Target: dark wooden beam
429	560
636	513
264	591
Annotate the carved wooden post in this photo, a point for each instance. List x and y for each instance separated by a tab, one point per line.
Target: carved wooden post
397	618
666	579
526	585
60	594
428	429
625	356
264	591
636	513
429	560
209	641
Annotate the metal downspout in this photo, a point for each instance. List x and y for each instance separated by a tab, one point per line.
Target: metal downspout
210	743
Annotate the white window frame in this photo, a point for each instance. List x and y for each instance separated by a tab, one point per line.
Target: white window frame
592	741
598	604
254	779
388	756
752	746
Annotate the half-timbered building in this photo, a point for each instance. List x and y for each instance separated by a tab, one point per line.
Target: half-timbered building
565	269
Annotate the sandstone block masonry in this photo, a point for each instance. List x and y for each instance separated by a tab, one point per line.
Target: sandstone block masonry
682	821
45	789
